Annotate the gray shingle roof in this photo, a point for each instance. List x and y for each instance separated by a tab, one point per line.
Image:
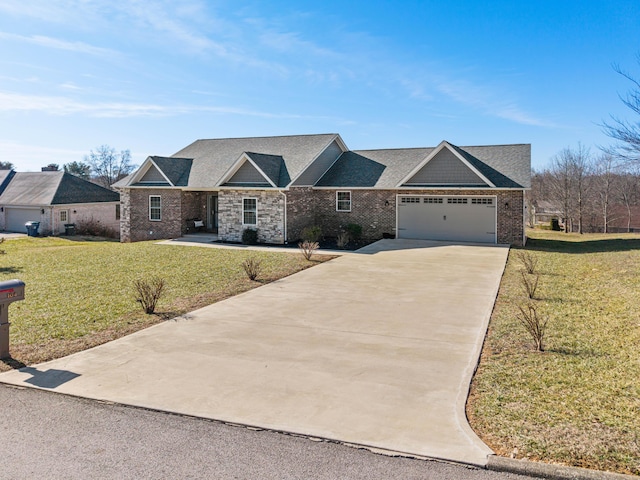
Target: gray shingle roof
175	169
53	188
373	168
213	158
273	167
506	166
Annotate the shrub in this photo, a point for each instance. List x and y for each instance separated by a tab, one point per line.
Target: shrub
308	249
149	292
343	239
528	260
252	267
355	231
312	233
250	236
535	325
94	228
2	252
529	284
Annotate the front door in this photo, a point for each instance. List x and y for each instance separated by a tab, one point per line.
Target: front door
212	213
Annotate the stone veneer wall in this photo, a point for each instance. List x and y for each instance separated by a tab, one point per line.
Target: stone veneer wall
369	208
135	225
270	215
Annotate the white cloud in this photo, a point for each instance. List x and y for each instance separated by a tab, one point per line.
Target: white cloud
52	105
55	43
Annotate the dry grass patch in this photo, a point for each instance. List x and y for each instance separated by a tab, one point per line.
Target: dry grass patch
578	402
81	293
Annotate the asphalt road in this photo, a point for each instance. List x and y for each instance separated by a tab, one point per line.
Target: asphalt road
45	435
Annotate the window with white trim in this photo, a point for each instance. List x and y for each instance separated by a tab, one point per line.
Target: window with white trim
117	211
64	216
155	208
343	201
249	211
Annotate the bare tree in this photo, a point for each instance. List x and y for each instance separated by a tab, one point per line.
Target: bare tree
628	192
570	185
6	165
79	169
108	166
604	182
626	133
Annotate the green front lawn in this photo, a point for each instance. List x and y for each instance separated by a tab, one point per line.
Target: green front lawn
578	402
80	293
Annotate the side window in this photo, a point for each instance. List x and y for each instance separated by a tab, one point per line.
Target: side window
118	211
155	208
249	211
343	201
64	216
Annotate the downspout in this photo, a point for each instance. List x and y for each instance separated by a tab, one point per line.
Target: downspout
285	215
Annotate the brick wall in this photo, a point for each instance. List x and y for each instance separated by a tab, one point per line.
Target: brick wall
194	205
369	209
270	215
135	225
375	211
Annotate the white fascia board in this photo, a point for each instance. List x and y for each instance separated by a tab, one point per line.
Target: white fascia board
441	145
265	176
236	166
333	139
410	189
144	168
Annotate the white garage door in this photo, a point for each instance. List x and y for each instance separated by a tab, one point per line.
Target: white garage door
458	219
16	217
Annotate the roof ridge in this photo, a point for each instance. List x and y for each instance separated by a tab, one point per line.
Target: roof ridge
268	136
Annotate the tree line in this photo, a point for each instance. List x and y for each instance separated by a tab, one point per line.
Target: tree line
592	192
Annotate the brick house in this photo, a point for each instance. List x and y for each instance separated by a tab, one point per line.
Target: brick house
279	185
54	198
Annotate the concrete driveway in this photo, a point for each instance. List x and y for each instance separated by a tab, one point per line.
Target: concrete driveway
375	348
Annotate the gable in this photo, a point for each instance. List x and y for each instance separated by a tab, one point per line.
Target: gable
247	175
446	168
320	165
153	175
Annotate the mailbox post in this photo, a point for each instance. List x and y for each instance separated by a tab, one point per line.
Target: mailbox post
10	291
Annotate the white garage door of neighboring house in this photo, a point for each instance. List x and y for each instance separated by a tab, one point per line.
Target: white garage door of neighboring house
454	218
16	217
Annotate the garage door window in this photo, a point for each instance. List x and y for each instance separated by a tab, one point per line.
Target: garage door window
343	201
433	200
457	200
410	200
482	201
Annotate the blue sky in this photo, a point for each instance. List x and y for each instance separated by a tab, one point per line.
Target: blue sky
152	76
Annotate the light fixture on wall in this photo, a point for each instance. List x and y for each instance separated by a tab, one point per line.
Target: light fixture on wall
506	204
75	211
386	203
1	209
42	211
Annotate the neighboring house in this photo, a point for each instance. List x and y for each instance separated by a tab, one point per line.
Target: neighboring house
544	211
279	185
54	199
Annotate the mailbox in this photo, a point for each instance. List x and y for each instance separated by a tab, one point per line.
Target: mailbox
10	291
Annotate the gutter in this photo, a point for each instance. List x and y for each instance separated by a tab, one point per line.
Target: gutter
285	216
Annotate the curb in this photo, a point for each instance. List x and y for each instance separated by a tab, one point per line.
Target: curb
546	470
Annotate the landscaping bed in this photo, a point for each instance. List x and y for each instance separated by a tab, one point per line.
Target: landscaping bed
578	401
80	293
